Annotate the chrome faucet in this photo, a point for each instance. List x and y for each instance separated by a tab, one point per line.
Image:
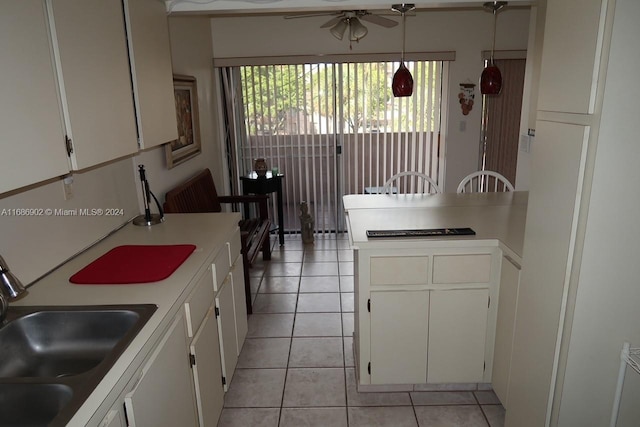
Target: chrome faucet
10	288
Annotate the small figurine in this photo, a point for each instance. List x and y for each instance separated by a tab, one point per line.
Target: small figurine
306	223
260	167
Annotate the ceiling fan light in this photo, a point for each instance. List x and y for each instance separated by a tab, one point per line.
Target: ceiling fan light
338	30
356	30
402	84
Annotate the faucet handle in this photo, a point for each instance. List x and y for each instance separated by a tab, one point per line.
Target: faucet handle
10	285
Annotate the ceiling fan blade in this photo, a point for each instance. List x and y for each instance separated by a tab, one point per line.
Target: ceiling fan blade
379	20
332	22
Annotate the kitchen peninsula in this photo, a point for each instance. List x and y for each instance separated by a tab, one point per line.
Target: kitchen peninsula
434	309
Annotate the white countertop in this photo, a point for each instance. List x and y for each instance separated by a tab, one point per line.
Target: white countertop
497	218
209	232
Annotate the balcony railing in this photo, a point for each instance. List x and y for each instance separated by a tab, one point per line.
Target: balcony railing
315	173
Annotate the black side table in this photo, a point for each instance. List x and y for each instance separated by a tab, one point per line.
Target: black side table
253	184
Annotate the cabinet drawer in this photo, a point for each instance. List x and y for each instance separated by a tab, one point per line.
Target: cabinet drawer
221	265
462	268
405	270
234	246
199	302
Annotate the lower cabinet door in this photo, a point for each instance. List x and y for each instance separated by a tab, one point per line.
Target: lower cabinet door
227	330
399	327
207	371
239	302
163	397
505	326
457	335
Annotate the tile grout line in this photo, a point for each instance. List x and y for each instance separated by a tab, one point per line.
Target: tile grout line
293	326
486	420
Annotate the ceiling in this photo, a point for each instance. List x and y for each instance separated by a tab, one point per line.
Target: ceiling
279	6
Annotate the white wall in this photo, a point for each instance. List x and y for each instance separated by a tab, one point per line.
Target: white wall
33	245
466	32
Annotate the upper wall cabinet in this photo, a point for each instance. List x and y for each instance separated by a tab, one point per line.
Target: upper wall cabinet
93	69
571	53
32	129
150	57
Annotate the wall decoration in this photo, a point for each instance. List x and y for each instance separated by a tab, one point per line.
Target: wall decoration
188	144
466	97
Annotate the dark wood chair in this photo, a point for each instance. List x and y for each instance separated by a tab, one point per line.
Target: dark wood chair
199	194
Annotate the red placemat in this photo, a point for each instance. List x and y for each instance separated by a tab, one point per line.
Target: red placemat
133	264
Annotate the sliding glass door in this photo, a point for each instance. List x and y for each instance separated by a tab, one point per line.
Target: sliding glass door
333	129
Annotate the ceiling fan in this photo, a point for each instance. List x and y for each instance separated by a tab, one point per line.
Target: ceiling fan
350	20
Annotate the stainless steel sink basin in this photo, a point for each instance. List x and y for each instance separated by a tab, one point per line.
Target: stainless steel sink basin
61	343
32	404
51	358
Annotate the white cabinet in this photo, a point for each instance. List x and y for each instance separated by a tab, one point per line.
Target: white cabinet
207	371
93	71
33	146
507	308
457	335
163	396
239	303
550	236
428	336
573	41
151	71
399	329
68	100
423	315
204	350
227	330
230	302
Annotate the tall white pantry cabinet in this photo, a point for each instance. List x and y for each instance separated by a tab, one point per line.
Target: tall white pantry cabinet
577	301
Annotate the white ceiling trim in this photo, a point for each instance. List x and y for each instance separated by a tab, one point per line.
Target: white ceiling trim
271	6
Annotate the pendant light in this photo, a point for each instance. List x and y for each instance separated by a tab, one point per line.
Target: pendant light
402	84
491	78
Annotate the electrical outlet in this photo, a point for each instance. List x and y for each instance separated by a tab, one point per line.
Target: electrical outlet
67	186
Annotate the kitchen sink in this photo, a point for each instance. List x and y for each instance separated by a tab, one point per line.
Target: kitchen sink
32	404
61	343
52	358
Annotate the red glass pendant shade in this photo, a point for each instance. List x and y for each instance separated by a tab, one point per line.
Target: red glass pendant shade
402	82
491	80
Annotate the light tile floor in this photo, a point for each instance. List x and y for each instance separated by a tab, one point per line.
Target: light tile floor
297	369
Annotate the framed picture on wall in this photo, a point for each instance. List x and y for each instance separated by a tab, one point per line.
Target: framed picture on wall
188	144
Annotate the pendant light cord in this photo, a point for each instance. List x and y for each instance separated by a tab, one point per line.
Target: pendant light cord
495	20
404	35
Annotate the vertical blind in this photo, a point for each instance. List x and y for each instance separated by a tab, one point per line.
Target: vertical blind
334	129
501	121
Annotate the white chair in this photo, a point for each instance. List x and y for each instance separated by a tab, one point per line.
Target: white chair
411	182
484	182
